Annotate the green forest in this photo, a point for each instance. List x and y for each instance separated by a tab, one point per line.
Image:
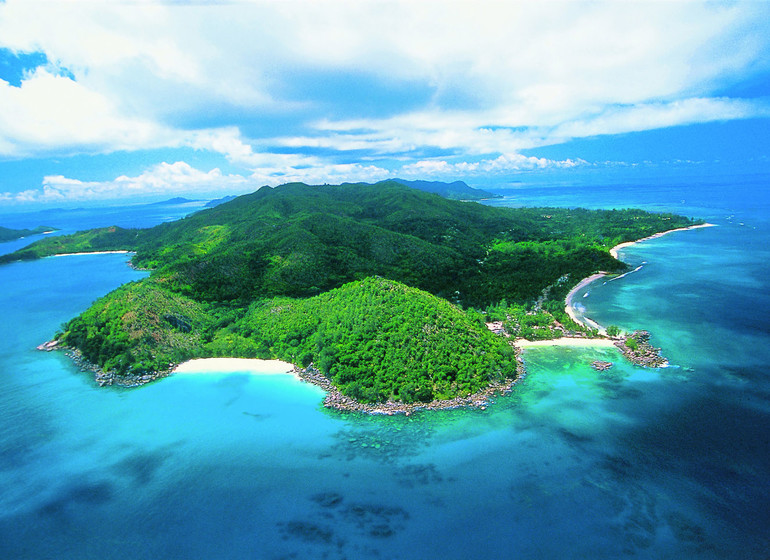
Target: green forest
383	287
8	234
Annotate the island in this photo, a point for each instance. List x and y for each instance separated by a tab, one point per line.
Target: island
389	297
8	234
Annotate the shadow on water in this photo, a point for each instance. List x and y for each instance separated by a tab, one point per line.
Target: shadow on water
142	466
337	528
83	494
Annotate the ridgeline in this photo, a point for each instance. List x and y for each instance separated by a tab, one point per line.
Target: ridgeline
376	285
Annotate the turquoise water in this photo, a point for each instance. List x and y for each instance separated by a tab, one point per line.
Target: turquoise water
635	463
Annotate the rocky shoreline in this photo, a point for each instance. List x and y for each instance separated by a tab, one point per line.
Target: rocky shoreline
636	348
336	400
639	352
600	365
104	378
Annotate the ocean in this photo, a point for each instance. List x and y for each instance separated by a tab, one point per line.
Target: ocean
627	463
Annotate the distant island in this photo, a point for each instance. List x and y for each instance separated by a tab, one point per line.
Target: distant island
8	234
385	295
458	190
218	201
174	201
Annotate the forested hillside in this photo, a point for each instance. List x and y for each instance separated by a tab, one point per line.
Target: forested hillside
226	265
376	339
299	241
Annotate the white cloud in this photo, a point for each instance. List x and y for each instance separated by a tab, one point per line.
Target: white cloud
647	116
50	112
501	165
164	178
325	174
482	80
169	179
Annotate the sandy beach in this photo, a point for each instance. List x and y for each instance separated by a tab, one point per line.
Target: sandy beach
235	365
616	248
582	342
92	253
585	321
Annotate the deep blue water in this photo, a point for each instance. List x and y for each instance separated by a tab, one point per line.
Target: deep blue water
632	463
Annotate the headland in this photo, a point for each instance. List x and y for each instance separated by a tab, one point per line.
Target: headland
384	290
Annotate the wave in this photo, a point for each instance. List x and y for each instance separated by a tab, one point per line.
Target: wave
626	274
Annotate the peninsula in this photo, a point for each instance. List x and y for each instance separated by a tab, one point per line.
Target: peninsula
8	234
380	293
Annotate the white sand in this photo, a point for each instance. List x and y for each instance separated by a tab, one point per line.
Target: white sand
616	248
92	253
234	365
585	321
583	342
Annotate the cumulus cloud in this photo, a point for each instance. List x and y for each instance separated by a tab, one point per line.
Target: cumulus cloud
181	178
501	165
50	113
164	178
321	173
482	80
648	116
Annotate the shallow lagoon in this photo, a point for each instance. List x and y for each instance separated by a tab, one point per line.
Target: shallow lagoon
573	463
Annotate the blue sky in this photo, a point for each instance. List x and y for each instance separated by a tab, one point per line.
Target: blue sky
146	100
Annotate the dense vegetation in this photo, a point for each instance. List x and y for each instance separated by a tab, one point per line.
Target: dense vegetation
98	239
8	234
299	241
458	190
138	328
220	271
377	340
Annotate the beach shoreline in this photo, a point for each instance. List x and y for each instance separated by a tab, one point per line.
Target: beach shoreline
618	247
333	399
590	323
569	309
253	366
92	253
567	341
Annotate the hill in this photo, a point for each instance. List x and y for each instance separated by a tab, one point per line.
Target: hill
375	339
217	273
298	240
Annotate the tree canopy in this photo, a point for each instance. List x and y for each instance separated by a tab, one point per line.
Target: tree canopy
376	284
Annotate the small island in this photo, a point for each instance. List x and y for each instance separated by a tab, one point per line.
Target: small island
8	234
388	297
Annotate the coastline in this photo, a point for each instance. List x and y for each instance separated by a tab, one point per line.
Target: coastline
481	399
616	248
92	253
252	366
567	341
586	321
333	399
336	400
